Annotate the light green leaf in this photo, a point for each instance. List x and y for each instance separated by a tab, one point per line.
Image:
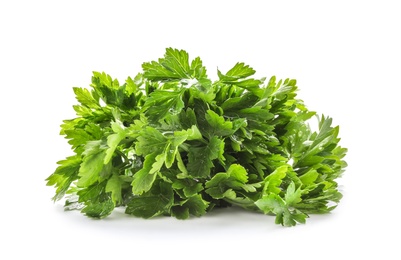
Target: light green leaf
155	71
114	140
177	61
174	65
90	168
239	71
64	175
284	216
158	164
217	179
114	185
85	98
238	172
143	179
309	177
274	180
197	69
194	133
293	196
174	142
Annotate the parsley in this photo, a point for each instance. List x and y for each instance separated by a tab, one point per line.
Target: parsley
172	142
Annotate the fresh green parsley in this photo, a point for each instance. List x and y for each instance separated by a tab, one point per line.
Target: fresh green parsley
170	141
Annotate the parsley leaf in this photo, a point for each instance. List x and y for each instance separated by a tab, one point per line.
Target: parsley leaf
161	103
92	164
64	175
200	158
153	203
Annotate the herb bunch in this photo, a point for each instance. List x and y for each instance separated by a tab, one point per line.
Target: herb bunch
170	141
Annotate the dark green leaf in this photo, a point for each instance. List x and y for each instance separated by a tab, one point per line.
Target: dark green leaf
200	159
217	125
152	204
99	209
197	205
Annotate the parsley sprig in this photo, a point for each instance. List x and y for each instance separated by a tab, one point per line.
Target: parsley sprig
170	141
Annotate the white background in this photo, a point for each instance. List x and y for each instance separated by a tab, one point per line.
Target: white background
345	55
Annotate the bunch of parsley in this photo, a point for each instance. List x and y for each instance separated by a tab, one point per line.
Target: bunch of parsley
172	142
